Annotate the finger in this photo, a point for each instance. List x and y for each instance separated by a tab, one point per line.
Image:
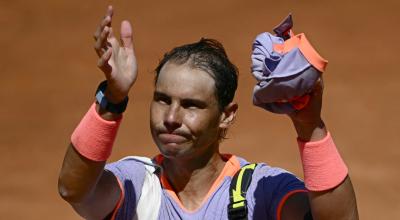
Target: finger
110	11
101	42
102	63
126	34
106	21
111	36
112	41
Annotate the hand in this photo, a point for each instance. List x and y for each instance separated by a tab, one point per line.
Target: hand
118	62
311	113
307	121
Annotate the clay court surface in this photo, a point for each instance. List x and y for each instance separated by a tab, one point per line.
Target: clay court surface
49	75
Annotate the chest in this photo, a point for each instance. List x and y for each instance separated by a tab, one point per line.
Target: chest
213	207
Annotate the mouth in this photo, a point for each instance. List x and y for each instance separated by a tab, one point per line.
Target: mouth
172	139
167	138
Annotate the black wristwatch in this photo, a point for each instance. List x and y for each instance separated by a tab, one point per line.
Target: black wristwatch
105	104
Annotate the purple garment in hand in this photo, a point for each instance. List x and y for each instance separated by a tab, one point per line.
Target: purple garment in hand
281	76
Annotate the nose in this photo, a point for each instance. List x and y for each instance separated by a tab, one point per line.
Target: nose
172	119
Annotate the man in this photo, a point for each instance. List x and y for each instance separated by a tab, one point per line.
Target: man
191	110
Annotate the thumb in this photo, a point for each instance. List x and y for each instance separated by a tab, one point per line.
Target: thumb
126	34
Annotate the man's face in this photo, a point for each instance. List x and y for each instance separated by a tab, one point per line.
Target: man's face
185	117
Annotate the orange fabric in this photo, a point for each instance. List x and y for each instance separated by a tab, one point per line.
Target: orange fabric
300	102
283	200
297	102
306	49
231	167
120	201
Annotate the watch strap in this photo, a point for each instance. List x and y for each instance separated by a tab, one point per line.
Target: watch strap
107	105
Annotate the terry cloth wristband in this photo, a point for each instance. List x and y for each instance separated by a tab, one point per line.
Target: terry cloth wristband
286	67
94	136
323	166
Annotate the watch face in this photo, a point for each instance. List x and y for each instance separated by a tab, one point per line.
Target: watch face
99	96
105	104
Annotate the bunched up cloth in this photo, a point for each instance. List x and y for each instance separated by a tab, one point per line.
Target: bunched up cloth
286	67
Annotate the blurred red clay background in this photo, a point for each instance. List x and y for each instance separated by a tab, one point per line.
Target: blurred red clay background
49	75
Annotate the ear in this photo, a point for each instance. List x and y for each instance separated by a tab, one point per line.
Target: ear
228	115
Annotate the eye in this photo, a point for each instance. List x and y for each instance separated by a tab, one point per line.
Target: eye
188	105
192	104
161	98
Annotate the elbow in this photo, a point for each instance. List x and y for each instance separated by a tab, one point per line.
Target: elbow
64	192
69	193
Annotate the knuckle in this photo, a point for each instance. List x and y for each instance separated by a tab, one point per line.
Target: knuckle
105	21
95	36
104	34
97	46
104	56
100	63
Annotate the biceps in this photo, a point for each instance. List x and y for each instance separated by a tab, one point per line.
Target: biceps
296	207
104	199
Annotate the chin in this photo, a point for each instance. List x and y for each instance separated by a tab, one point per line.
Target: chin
173	150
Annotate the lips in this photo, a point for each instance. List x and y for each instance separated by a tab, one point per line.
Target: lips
167	138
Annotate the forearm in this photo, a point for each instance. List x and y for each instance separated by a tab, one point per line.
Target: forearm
78	176
338	202
310	131
87	187
84	163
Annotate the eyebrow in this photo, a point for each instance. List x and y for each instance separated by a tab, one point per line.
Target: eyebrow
159	94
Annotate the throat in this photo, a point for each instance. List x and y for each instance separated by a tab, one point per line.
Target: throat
192	183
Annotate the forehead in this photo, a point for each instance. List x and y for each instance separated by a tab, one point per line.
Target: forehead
183	81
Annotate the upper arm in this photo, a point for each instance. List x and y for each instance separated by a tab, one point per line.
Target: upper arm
295	206
336	203
275	190
103	200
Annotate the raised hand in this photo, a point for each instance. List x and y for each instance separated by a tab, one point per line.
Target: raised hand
116	58
307	121
311	113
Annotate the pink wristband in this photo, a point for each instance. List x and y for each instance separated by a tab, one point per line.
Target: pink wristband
322	165
94	137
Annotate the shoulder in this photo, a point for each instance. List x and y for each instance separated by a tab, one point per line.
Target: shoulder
126	166
268	182
129	170
275	178
270	174
264	170
130	173
270	186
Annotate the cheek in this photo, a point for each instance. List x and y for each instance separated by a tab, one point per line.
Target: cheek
155	114
191	118
201	123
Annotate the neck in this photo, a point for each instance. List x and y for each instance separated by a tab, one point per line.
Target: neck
192	178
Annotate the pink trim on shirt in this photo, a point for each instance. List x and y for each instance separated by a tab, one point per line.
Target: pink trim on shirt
283	201
120	201
232	165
